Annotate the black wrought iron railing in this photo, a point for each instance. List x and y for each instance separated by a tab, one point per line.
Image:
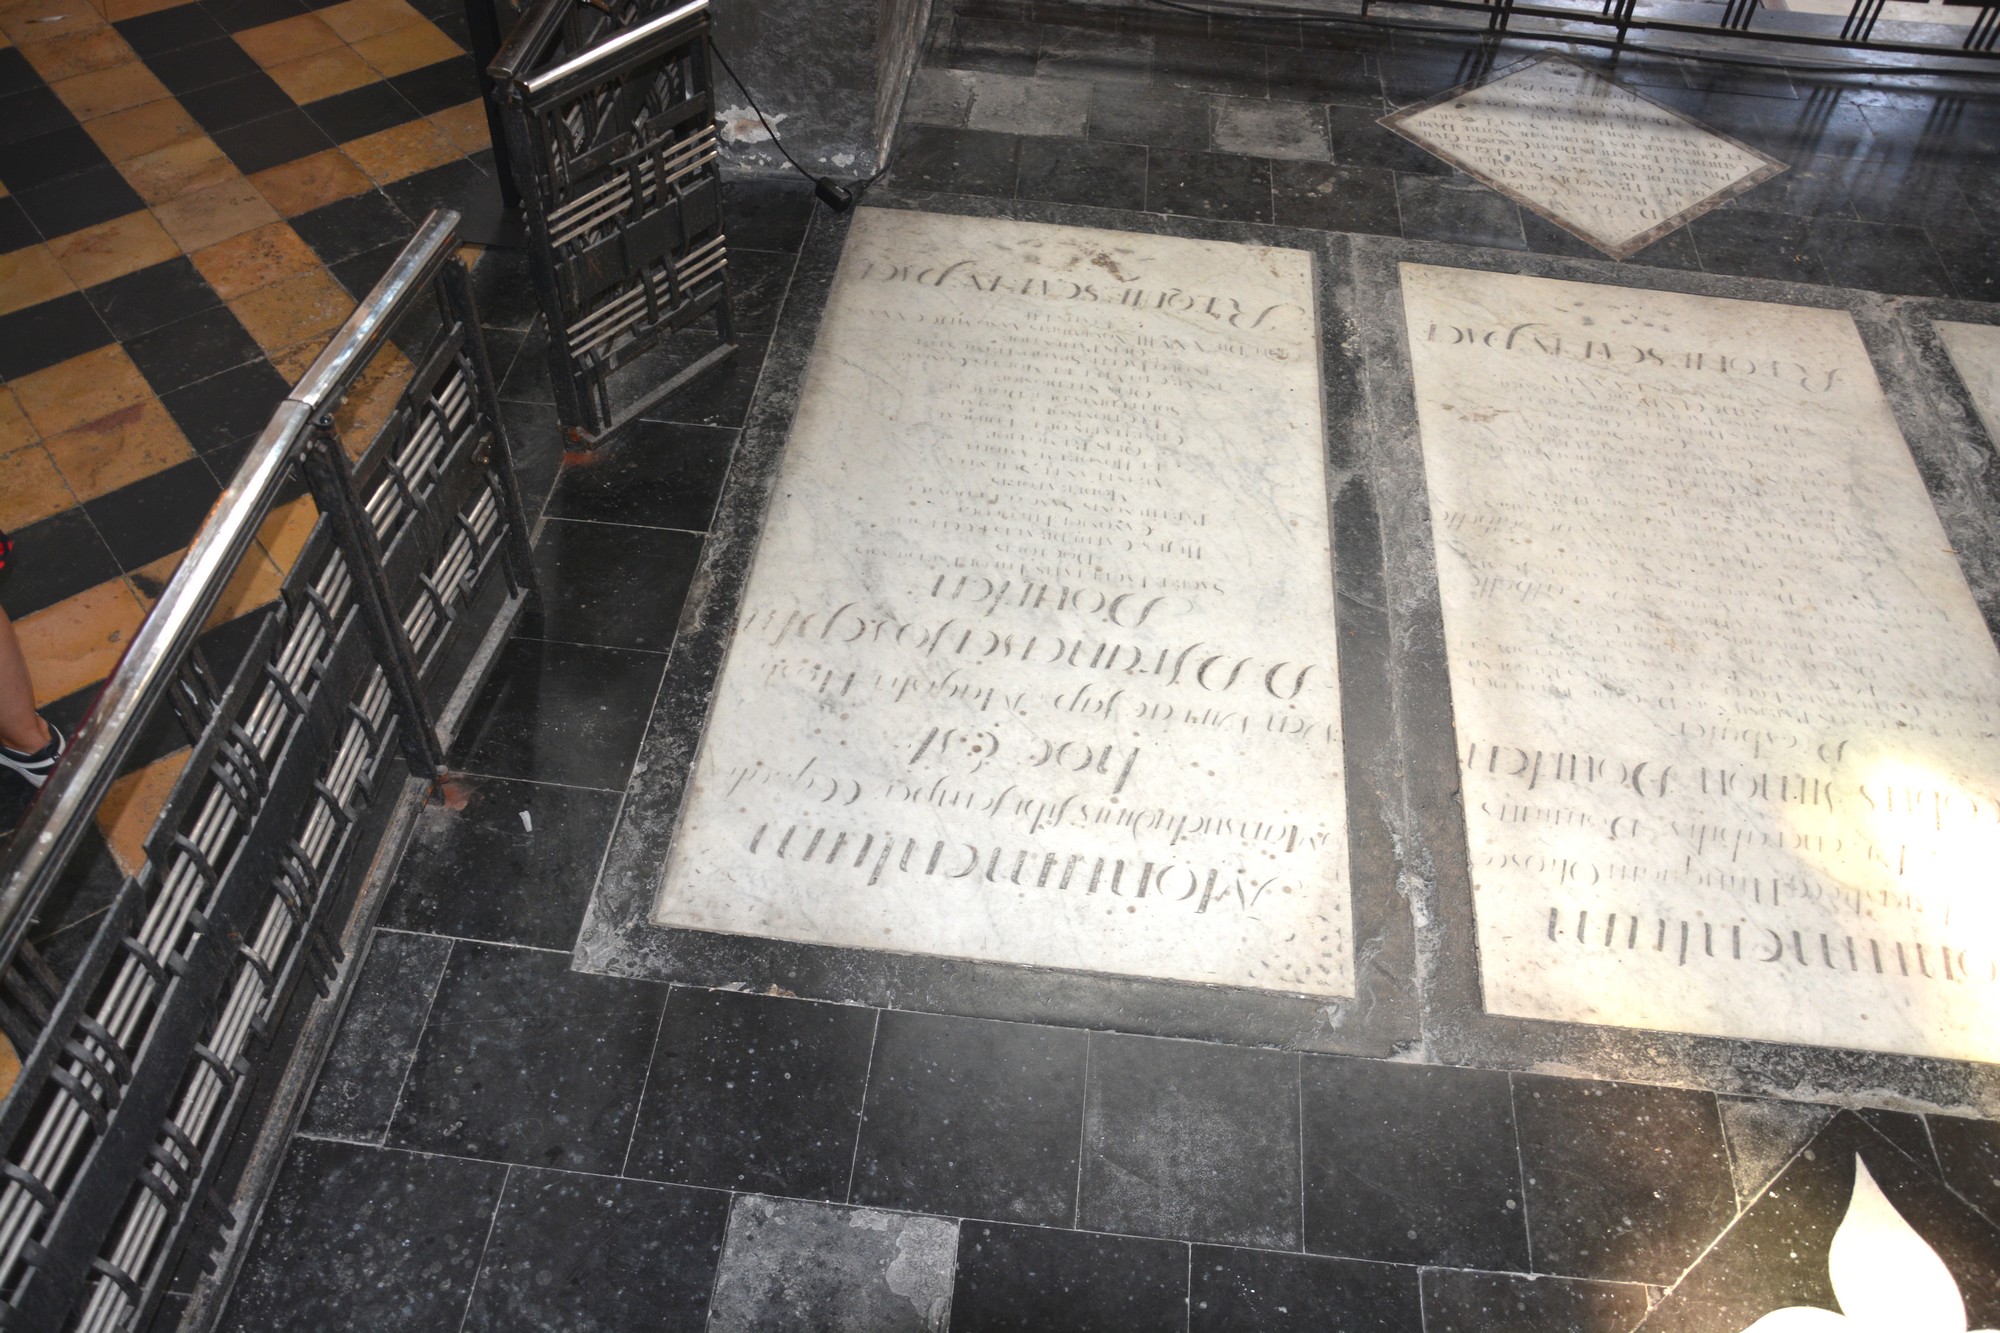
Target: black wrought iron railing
137	1069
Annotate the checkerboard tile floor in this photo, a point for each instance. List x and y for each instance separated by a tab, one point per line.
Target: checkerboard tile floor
192	195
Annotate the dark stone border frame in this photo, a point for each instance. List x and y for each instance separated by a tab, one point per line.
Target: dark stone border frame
618	936
1457	1030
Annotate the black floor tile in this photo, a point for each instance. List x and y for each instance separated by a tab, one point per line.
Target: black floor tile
502	860
364	1071
523	1060
1255	1291
453	185
1031	1280
192	349
1460	1302
527	380
140	302
1209	66
758	280
1973	265
1674	250
242	15
1316	74
1208	185
1155	117
48	157
765	214
612	584
435	87
559	712
226	410
970	1118
169	30
192	66
1745	244
410	1266
932	157
1066	171
237	101
16	74
720	396
994	46
1904	1129
580	1252
1156	1157
1625	1182
41	335
54	558
358	274
32	113
347	227
1099	55
754	1093
1969	1152
1879	257
155	515
1357	141
15	229
505	292
272	141
81	199
361	111
1412	1164
68	919
794	1264
1463	212
1329	198
656	474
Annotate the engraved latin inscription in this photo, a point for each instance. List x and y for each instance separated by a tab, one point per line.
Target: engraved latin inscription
1036	659
1725	705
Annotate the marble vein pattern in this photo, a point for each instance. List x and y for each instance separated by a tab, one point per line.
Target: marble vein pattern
1725	706
1036	660
1614	168
1974	350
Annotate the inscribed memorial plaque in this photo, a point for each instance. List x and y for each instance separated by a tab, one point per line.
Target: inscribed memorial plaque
1726	707
1974	350
1615	168
1036	659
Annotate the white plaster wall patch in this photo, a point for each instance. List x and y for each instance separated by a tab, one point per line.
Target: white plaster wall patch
1036	660
1607	164
1726	710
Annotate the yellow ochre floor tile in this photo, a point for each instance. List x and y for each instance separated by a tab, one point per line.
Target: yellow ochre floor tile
312	77
81	389
356	19
30	276
113	249
116	450
78	53
405	49
300	308
125	135
300	186
76	642
30	487
132	805
16	432
199	220
104	91
391	154
255	259
168	173
465	125
288	39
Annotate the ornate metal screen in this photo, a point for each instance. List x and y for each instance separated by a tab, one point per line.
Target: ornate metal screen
418	559
610	126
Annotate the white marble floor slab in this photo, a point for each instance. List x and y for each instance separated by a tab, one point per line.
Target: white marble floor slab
1599	160
1036	660
1974	350
1726	708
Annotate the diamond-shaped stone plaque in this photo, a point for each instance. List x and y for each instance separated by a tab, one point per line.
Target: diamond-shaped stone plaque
1595	158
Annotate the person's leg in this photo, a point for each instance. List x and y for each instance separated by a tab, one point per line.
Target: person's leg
21	727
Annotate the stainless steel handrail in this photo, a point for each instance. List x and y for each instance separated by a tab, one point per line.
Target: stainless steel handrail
49	833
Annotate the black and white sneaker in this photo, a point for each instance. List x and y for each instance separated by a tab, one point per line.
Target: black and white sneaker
36	767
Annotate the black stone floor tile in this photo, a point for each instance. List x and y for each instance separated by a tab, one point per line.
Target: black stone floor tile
1252	1291
272	141
41	335
358	274
364	1071
933	157
1905	1130
761	213
1330	198
169	30
16	74
453	185
192	349
433	88
1318	74
793	1264
55	557
48	157
140	302
1153	117
1412	1163
361	111
1969	1152
476	869
241	15
561	712
1193	1140
582	1252
995	46
1765	1134
192	66
410	1266
523	1060
31	113
505	293
754	1093
721	395
527	380
1973	265
78	200
347	227
971	1118
1416	68
69	916
758	280
1209	66
1456	1301
1745	244
1068	171
15	229
1102	56
1879	257
154	515
1356	140
611	584
1809	186
1674	250
1461	211
657	474
1014	1279
1625	1182
1208	185
237	101
226	410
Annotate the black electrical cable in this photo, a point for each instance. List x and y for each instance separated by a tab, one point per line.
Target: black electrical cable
829	191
